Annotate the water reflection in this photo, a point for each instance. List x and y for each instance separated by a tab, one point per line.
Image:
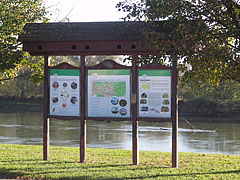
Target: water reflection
26	128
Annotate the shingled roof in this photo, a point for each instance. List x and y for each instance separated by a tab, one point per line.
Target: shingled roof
89	38
88	31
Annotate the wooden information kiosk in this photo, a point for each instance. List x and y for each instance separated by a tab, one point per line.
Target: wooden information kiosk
107	91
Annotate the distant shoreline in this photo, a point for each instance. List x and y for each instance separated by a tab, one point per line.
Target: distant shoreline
12	104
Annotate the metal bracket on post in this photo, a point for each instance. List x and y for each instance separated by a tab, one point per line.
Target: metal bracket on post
46	109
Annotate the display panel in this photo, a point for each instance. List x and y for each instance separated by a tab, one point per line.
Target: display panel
154	95
109	93
64	92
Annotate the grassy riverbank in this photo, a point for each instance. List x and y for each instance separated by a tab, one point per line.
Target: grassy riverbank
20	161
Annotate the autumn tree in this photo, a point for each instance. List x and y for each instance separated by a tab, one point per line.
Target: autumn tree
205	35
14	14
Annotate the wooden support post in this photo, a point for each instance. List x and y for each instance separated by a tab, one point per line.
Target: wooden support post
135	145
45	112
175	114
82	106
83	141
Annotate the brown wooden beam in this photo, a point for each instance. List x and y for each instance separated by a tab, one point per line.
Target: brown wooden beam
88	48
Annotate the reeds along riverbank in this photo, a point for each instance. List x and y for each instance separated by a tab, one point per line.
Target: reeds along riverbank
21	161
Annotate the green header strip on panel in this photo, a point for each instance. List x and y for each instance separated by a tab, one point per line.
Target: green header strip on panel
110	72
65	72
155	72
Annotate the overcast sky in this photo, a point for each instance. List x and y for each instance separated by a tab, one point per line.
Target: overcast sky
84	10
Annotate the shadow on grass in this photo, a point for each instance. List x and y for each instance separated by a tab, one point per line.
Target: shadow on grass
25	170
194	174
172	175
151	177
93	168
5	174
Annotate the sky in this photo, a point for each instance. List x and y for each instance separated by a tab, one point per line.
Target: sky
84	10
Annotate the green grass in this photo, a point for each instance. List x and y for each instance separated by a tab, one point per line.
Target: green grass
21	161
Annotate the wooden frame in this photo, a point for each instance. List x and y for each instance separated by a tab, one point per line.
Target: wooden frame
129	42
134	106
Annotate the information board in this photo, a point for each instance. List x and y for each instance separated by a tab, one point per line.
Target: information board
109	93
154	93
64	92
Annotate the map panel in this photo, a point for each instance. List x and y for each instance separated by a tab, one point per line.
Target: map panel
108	89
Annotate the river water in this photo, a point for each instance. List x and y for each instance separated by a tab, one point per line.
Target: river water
27	128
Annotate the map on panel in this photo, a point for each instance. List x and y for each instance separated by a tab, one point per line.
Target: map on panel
108	89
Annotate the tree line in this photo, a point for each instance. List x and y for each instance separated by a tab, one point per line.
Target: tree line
205	37
220	100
